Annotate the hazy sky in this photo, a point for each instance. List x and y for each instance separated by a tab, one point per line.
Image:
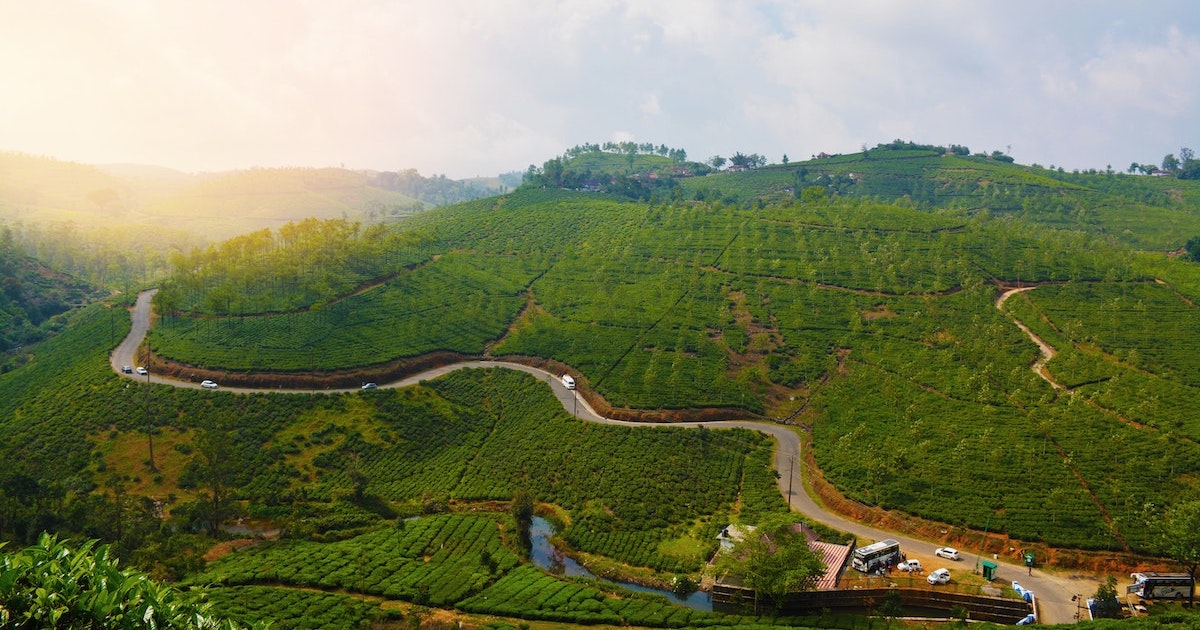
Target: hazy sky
480	87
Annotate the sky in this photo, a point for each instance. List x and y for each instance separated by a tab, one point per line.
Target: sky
479	87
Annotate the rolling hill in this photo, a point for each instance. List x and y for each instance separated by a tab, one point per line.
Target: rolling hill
856	298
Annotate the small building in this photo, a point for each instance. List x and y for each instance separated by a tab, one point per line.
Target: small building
833	555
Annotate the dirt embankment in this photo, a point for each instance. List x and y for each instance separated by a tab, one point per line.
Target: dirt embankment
305	380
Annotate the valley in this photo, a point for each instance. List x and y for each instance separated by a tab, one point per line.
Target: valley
1054	589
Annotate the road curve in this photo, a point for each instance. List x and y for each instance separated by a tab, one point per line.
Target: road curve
1053	592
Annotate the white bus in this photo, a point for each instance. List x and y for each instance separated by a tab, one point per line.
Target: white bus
1161	585
568	381
875	556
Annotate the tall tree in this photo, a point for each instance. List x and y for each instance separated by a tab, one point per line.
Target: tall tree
774	560
1177	532
214	455
522	511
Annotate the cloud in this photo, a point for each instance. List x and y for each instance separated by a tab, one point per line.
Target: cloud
651	106
467	88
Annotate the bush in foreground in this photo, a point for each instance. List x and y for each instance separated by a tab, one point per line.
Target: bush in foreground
53	584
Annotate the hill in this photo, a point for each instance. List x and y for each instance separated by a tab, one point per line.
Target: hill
117	224
32	297
836	310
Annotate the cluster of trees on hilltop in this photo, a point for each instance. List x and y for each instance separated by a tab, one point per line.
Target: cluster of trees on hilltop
437	190
627	169
628	148
1186	166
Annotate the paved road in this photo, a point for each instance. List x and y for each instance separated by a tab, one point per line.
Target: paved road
1053	591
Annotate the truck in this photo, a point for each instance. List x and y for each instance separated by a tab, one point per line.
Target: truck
568	381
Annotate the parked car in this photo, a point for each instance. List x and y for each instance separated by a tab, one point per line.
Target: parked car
913	566
207	384
369	386
127	369
143	371
941	576
949	553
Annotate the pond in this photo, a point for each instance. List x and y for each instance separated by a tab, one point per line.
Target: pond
546	556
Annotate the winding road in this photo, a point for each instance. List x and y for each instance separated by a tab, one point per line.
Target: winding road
1053	591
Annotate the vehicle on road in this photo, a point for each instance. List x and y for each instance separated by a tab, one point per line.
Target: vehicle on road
370	386
876	556
207	384
1152	585
941	576
143	371
127	369
949	553
912	566
568	381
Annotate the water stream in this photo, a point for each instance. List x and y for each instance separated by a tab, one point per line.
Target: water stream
547	557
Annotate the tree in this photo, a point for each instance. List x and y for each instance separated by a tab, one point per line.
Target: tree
1186	154
214	459
1193	248
774	560
522	511
1176	531
1107	606
1182	534
716	162
814	195
1170	163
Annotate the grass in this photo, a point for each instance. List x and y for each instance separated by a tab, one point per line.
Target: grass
125	457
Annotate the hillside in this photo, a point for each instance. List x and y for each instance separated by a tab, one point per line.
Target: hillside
117	224
889	306
837	308
32	297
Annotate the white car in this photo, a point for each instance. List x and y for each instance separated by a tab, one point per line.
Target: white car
913	566
207	384
143	371
949	553
127	369
941	576
369	386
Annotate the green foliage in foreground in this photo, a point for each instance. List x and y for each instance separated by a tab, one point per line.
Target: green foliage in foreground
54	584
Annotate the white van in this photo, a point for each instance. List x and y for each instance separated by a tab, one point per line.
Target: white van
568	381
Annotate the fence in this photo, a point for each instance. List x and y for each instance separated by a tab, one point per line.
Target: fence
733	599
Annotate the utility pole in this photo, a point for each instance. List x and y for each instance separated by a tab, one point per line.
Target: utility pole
791	475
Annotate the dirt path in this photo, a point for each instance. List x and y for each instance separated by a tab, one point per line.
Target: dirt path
1048	351
1053	591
